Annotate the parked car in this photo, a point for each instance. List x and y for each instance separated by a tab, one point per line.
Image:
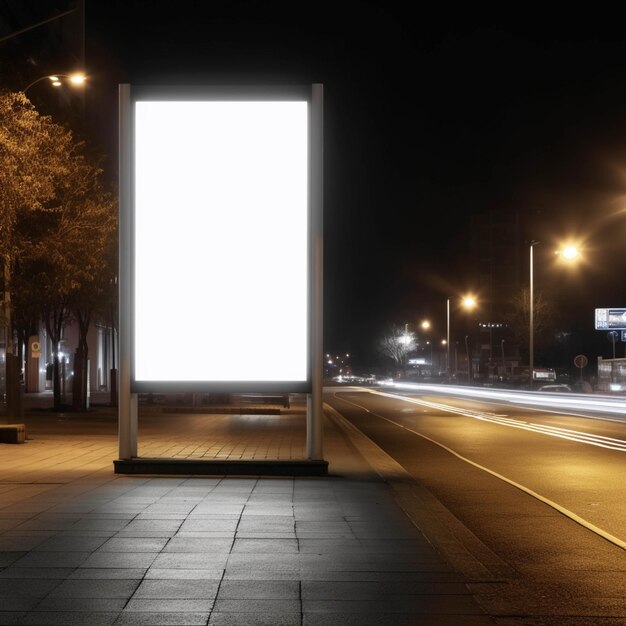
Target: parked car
557	388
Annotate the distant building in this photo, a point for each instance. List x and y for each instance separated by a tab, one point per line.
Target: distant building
495	253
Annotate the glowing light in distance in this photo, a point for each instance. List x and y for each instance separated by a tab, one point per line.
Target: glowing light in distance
426	324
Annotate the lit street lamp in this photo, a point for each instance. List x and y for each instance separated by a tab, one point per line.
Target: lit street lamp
468	302
77	79
568	253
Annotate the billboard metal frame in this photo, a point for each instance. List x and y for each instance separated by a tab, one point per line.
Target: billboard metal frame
128	386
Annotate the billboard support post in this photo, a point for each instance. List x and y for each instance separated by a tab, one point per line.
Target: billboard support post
127	402
315	415
183	154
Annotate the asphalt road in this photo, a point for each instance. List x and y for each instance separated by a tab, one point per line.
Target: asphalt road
542	490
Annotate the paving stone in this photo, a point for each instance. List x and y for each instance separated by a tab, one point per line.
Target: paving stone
254	619
129	618
178	589
25	588
69	618
187	560
13	543
81	604
259	589
193	574
119	559
133	544
59	573
95	588
267	546
87	573
199	544
70	543
256	605
18	604
169	605
52	559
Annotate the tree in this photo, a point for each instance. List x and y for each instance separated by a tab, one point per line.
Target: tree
518	317
74	260
94	272
57	231
33	154
397	344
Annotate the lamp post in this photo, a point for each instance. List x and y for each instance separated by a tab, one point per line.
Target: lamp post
531	330
567	253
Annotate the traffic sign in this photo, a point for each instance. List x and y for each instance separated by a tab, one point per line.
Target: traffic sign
580	361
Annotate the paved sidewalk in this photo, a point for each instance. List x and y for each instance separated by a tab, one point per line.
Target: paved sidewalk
81	545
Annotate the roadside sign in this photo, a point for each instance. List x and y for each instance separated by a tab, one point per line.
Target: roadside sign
610	319
580	361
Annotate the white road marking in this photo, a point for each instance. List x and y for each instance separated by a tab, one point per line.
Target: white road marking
557	507
600	441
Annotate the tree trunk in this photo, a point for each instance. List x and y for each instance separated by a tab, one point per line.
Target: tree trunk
78	398
79	388
56	382
54	319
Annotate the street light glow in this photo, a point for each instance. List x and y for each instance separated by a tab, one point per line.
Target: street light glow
469	302
569	252
77	78
425	324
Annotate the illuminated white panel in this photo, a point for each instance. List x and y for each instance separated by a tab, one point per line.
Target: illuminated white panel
221	241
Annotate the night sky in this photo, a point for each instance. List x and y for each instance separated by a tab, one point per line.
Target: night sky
429	118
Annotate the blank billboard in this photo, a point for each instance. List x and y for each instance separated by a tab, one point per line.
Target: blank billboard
220	276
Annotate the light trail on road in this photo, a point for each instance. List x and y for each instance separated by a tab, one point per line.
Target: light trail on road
604	404
601	441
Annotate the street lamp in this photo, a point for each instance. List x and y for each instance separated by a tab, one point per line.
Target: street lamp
468	302
76	79
568	252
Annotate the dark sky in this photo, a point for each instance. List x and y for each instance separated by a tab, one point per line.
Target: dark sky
430	117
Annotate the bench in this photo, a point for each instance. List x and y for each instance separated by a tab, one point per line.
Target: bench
265	398
12	433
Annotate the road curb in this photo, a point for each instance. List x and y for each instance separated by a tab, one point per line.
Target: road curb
459	546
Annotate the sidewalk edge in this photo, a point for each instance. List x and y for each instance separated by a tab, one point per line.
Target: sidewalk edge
458	545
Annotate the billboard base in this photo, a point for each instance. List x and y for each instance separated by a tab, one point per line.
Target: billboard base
220	468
